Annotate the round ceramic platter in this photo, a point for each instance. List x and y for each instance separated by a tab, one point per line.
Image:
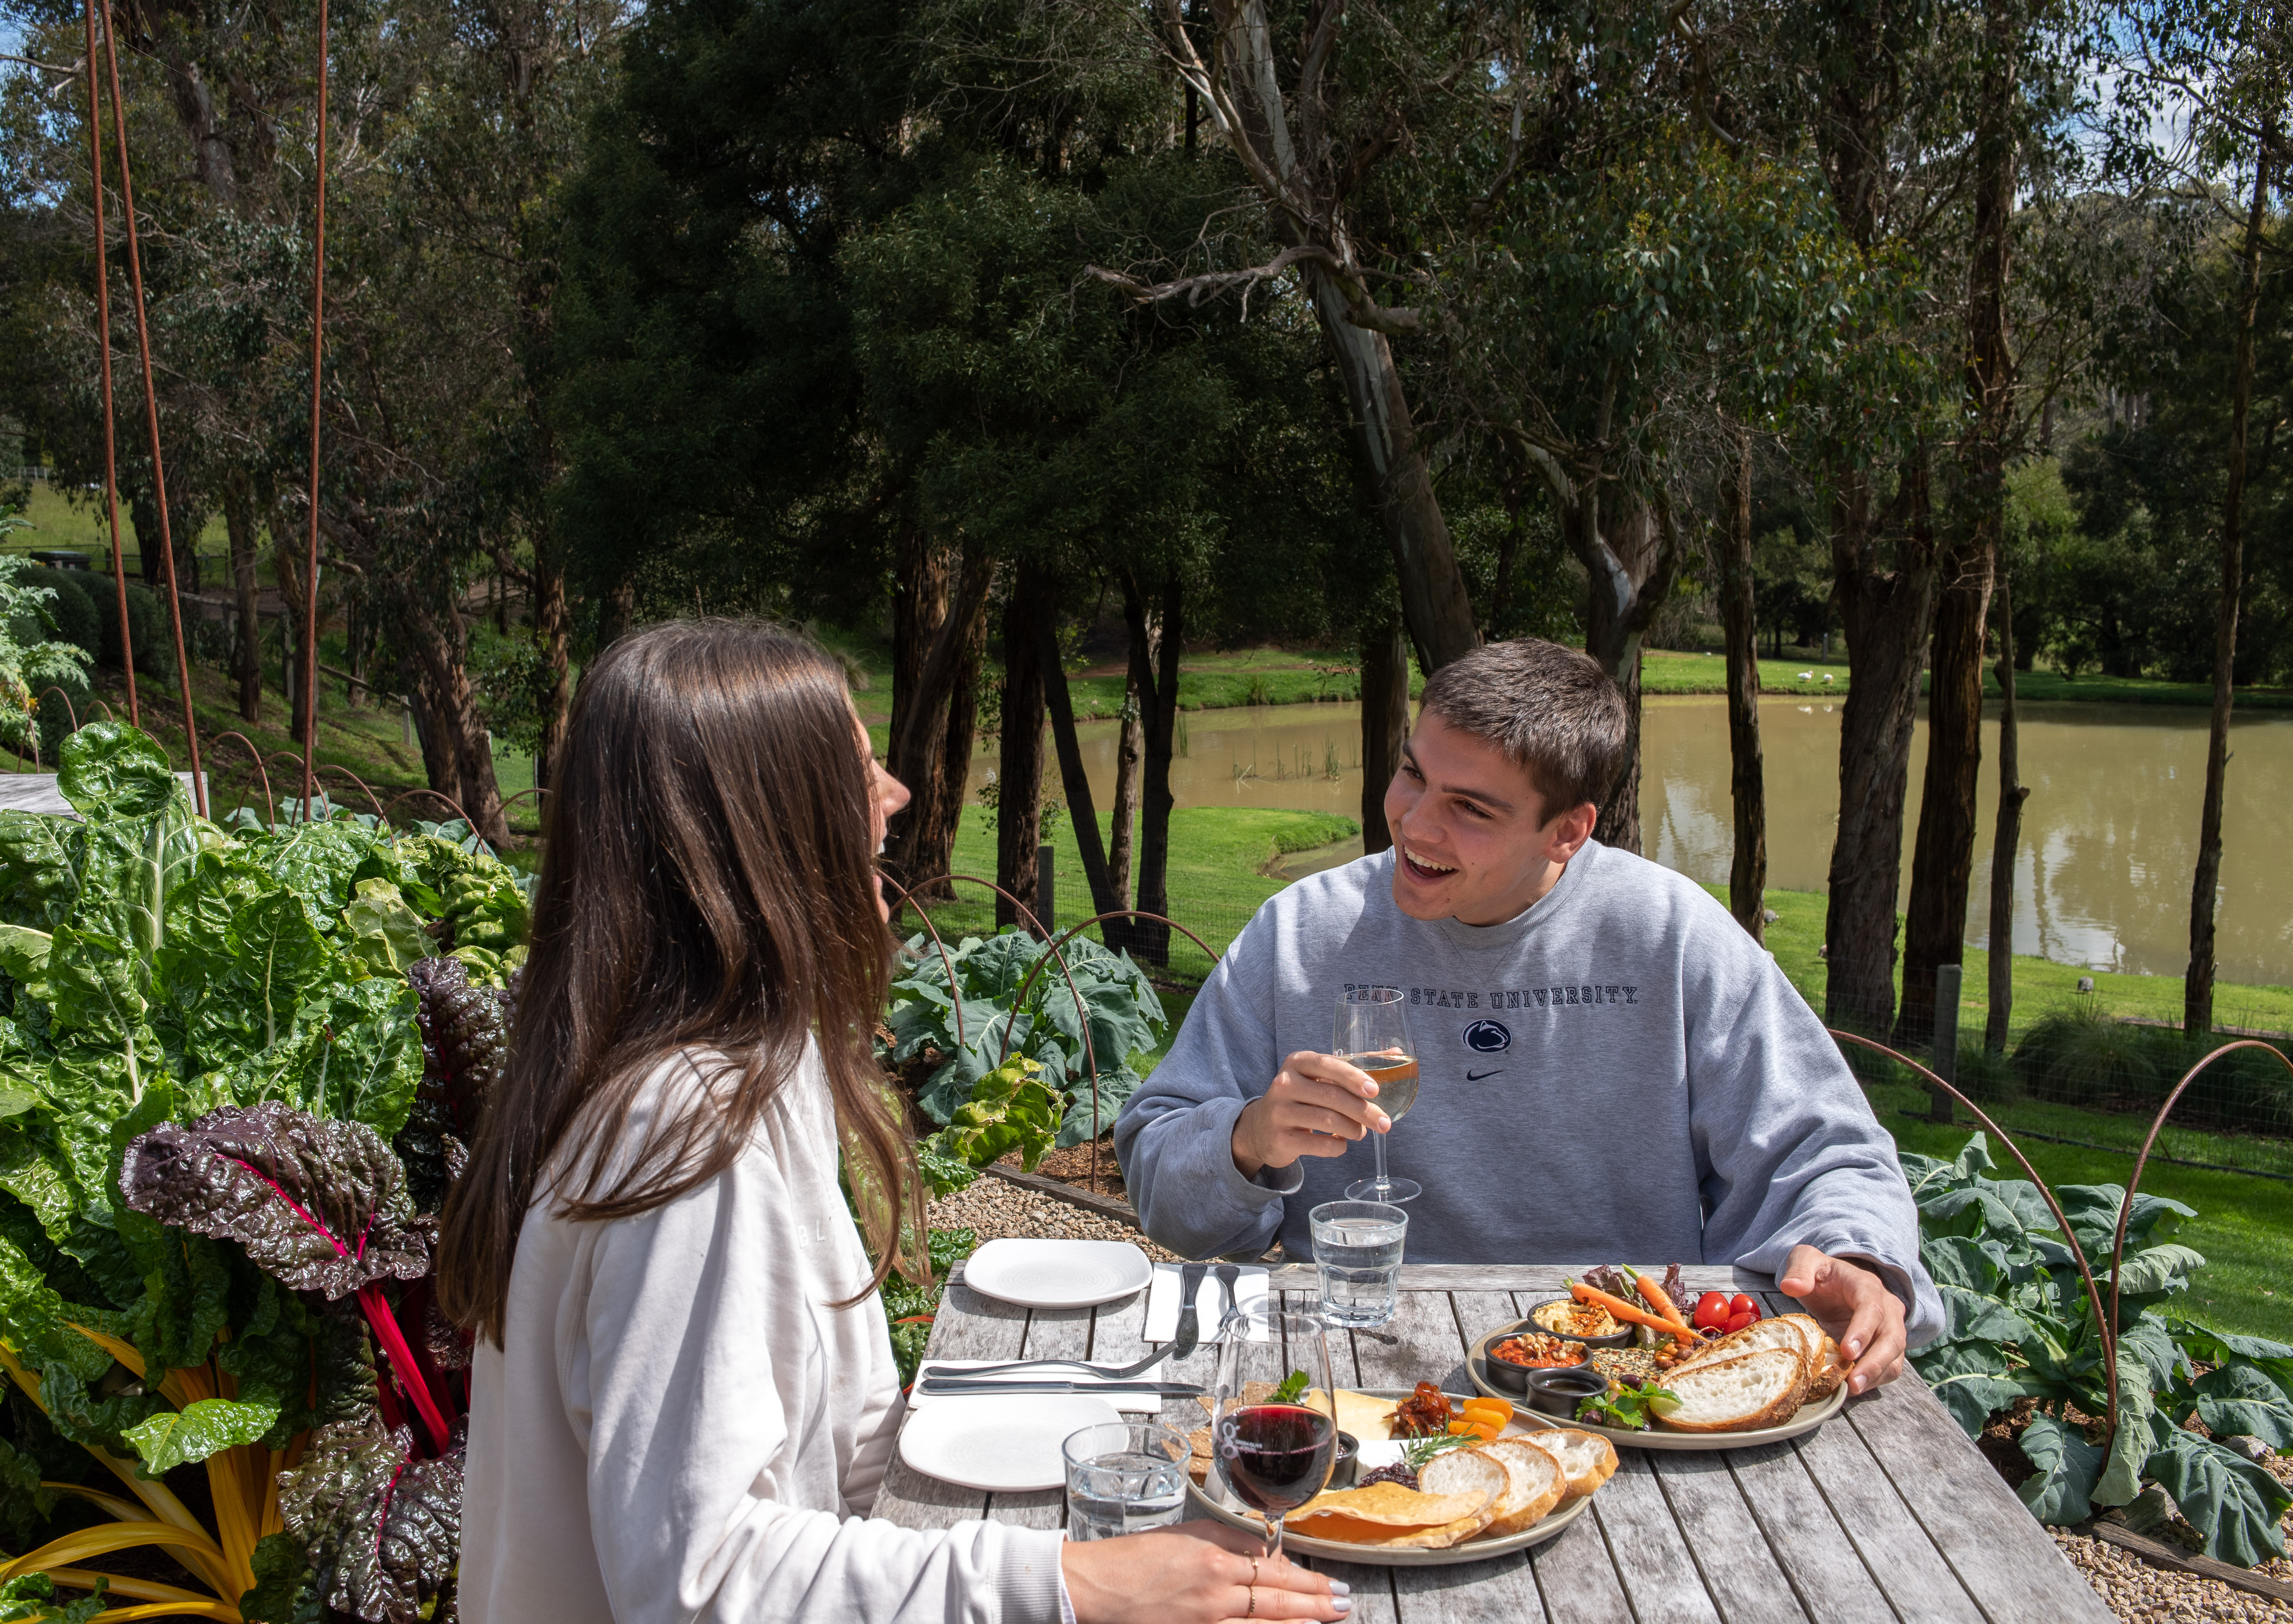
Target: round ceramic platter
1009	1443
1551	1526
1057	1273
1809	1415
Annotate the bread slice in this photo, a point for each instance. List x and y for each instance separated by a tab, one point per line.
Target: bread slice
1761	1388
1535	1484
1459	1472
1832	1367
1586	1459
1781	1332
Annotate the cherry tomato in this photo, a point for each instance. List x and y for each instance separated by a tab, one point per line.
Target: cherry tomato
1737	1322
1742	1305
1711	1310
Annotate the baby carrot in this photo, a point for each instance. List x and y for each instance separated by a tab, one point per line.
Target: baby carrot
1630	1315
1658	1301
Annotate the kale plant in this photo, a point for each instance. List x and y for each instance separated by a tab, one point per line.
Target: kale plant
2021	1326
993	1001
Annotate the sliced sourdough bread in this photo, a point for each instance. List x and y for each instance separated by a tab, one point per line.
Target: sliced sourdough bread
1535	1484
1586	1459
1778	1332
1761	1388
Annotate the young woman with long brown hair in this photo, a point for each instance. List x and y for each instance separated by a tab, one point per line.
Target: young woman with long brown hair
684	1399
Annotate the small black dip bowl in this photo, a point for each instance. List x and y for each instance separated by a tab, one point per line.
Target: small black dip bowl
1349	1462
1559	1391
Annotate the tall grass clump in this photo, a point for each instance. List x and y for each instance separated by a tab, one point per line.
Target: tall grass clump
2086	1057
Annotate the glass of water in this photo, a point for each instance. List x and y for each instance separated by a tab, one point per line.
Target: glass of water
1357	1248
1125	1477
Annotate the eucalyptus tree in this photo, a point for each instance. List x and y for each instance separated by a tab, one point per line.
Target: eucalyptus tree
1310	131
2226	67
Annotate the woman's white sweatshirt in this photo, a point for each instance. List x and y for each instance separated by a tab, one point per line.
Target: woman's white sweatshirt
679	1428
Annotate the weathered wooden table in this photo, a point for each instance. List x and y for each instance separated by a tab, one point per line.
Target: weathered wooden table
1885	1513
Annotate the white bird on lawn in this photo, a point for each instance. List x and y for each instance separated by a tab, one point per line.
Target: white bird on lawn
1826	676
1807	675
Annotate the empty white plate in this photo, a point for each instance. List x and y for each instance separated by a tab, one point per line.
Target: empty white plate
1057	1273
1009	1444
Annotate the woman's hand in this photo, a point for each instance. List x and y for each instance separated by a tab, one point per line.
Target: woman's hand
1200	1573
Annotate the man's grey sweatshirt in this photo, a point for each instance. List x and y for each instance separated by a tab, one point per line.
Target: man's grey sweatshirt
1618	1074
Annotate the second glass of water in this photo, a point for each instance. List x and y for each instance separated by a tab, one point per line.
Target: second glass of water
1357	1248
1125	1477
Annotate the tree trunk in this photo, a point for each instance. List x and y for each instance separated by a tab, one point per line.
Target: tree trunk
1747	872
1158	703
1943	863
2011	793
1434	603
934	850
1384	724
1433	599
553	629
455	748
2198	986
1019	789
1129	747
929	679
246	646
1632	553
1083	812
287	561
1886	614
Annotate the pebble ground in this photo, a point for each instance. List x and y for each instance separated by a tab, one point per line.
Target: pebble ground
2134	1589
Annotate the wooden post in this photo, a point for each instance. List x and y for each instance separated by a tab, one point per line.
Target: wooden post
1043	897
1944	1059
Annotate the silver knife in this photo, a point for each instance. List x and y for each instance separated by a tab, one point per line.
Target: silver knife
941	1385
1190	1281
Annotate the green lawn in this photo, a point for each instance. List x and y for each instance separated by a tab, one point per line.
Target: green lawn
2244	1225
1219	856
56	521
2041	987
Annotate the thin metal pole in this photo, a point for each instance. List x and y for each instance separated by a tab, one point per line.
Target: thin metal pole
152	415
309	694
103	339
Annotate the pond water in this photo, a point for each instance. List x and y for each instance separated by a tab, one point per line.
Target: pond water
2108	833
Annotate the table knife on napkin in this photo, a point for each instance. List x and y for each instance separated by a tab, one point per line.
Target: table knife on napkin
947	1387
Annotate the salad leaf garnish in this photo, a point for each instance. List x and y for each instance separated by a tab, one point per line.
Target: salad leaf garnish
1628	1406
1292	1388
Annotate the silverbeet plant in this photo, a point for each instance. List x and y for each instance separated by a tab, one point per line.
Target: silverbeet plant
239	1069
2021	1326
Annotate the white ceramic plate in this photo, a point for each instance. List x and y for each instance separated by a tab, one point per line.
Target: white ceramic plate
1057	1273
1006	1443
1213	1499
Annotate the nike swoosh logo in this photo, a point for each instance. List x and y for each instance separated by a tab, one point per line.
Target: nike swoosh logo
1475	1077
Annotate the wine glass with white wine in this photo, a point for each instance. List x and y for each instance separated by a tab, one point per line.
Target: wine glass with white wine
1372	1033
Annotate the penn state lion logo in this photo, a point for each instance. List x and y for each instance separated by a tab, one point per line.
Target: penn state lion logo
1488	1037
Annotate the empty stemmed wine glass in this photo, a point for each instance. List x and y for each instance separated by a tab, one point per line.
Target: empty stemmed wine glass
1372	1033
1274	1429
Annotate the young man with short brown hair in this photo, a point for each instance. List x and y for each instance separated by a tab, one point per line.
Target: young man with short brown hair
1612	1071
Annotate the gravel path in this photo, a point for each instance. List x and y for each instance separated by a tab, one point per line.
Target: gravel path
997	1210
2135	1590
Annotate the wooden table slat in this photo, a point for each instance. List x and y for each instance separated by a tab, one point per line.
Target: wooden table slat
1804	1536
1724	1538
1896	1551
1652	1554
1997	1550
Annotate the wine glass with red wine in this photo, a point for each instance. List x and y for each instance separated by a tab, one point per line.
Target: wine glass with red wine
1274	1429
